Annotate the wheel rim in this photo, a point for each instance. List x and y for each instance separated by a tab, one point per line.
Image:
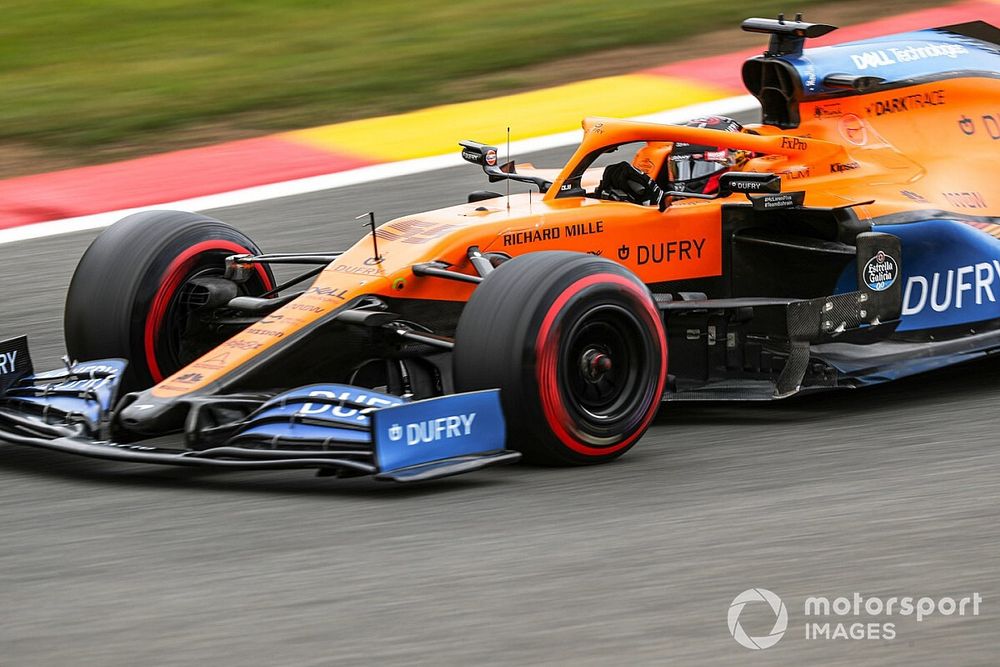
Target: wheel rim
601	372
177	319
610	422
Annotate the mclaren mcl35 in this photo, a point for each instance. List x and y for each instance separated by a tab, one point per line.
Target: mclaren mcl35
849	239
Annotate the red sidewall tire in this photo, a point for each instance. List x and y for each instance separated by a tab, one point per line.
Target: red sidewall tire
122	299
530	328
556	405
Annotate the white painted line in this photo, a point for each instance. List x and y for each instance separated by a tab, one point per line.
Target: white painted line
340	179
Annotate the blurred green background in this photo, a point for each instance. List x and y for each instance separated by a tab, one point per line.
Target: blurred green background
84	80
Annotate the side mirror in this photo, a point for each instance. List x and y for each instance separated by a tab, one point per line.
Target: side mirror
748	182
477	153
486	157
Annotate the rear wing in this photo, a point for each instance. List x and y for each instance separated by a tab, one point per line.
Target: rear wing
787	37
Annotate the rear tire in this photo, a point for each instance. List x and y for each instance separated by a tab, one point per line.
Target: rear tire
126	296
577	347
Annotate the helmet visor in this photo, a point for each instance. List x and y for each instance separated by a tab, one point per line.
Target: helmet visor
696	166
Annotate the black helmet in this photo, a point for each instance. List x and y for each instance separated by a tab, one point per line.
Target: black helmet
696	168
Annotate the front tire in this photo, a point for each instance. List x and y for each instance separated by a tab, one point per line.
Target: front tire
577	347
126	298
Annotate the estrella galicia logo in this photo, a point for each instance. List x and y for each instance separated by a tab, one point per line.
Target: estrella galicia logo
880	272
749	596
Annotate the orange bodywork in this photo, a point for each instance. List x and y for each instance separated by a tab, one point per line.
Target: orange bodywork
936	152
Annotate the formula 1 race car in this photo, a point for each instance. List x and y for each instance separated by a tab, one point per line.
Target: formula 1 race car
851	238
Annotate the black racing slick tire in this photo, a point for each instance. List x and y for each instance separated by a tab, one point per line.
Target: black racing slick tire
127	297
576	345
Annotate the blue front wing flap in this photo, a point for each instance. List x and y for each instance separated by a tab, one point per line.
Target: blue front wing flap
411	436
337	429
81	393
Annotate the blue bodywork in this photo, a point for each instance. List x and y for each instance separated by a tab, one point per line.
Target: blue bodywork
446	427
951	274
402	433
318	413
897	58
87	391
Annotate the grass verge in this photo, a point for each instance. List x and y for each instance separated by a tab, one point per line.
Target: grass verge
93	78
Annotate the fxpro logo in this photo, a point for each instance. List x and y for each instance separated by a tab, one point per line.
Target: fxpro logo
433	430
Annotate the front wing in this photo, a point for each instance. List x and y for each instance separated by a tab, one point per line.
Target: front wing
336	429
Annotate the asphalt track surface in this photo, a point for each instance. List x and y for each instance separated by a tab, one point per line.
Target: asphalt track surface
891	491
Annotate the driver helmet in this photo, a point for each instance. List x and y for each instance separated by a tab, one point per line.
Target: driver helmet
697	168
